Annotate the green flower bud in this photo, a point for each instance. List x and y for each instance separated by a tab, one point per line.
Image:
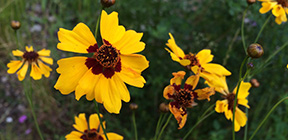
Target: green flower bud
133	106
255	50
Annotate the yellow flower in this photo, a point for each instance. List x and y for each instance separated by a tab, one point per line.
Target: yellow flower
184	97
93	131
199	63
227	104
102	76
279	9
33	58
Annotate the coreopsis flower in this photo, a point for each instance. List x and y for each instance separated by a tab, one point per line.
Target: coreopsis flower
226	106
101	76
93	131
184	97
199	63
33	58
279	9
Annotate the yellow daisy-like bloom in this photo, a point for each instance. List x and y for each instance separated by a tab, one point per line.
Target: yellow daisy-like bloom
199	63
102	76
93	131
279	9
227	104
33	58
184	97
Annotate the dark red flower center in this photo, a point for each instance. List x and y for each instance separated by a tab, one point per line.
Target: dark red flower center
284	3
184	97
231	97
106	60
91	135
30	56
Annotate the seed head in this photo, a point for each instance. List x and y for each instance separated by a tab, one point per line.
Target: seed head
15	24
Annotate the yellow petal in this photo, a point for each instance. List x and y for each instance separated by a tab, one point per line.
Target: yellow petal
131	77
243	90
17	53
121	88
94	122
71	70
130	43
185	62
47	60
174	57
113	136
240	119
205	93
243	102
278	20
29	49
174	47
168	91
109	27
81	123
74	135
267	6
135	61
220	85
98	91
44	52
178	76
192	81
278	10
14	65
36	72
220	106
22	72
178	115
78	40
86	85
204	56
216	69
44	68
228	113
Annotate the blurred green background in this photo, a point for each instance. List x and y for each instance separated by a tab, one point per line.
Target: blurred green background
195	25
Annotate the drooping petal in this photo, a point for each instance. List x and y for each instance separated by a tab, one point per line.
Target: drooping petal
174	47
36	72
47	60
192	82
22	72
14	65
17	53
86	85
94	122
113	136
135	61
267	6
130	43
228	113
80	123
168	92
205	93
278	10
78	40
204	56
216	69
178	76
240	119
109	27
71	70
44	68
44	52
243	90
220	86
174	57
74	135
220	106
179	115
243	102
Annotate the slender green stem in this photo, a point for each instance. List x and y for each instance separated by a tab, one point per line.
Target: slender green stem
230	47
101	122
28	96
207	110
276	52
17	39
242	30
266	117
262	28
97	26
158	125
236	95
246	126
165	125
134	124
198	122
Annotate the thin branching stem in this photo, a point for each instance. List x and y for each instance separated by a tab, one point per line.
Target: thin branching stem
158	125
242	29
134	125
101	122
262	28
165	125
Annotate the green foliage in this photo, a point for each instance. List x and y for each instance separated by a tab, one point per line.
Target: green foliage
194	24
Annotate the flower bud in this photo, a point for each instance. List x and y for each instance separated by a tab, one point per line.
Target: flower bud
254	83
255	50
251	1
164	107
133	106
108	3
15	24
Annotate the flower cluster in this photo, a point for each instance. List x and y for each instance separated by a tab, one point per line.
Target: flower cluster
279	9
